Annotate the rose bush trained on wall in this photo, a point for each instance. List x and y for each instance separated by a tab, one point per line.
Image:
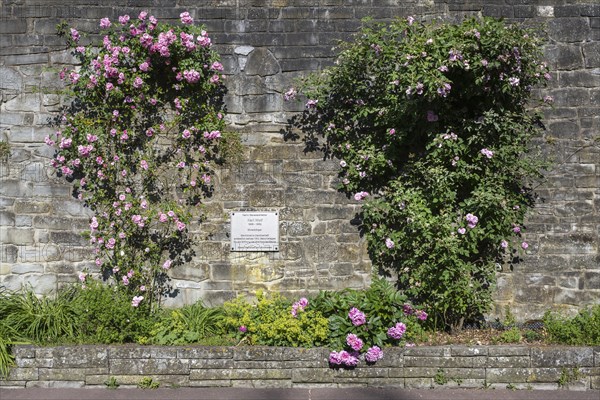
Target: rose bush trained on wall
432	130
139	142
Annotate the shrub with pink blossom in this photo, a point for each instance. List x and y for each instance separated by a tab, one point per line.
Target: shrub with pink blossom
364	330
433	126
143	135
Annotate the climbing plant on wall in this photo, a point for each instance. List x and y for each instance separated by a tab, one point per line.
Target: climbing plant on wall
139	142
432	128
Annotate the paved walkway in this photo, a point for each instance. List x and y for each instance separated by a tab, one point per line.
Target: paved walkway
293	394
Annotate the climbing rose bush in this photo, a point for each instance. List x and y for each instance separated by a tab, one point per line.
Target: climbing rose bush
140	141
433	133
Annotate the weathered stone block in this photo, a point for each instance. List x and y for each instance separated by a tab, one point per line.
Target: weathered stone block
261	62
204	352
268	383
433	351
10	79
68	374
524	11
570	97
219	363
569	29
360	374
295	228
149	366
591	54
196	272
444	362
319	248
570	244
210	383
541	295
247	374
303	197
564	129
72	238
562	357
503	361
263	103
228	272
27	269
25	102
287	364
23	221
591	280
418	383
7	218
508	351
17	236
51	190
341	269
23	374
13	26
58	223
65	357
210	374
243	85
267	197
257	353
507	375
291	251
56	384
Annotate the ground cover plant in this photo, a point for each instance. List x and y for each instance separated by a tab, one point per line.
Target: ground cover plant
582	329
275	321
433	131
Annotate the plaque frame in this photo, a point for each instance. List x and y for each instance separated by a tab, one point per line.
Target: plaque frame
254	231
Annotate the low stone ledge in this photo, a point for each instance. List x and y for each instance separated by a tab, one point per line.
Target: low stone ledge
548	367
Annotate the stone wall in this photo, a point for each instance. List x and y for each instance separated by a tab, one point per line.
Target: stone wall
265	45
491	367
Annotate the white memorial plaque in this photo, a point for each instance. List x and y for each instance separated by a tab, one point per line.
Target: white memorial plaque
254	231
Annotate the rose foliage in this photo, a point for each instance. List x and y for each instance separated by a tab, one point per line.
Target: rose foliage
139	143
432	127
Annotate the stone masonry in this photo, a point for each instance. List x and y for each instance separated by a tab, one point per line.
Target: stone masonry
265	45
485	367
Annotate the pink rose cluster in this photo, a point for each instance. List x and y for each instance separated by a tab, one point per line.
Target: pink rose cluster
290	94
373	354
409	310
356	344
472	220
135	302
212	135
357	317
397	331
343	358
361	196
299	305
192	76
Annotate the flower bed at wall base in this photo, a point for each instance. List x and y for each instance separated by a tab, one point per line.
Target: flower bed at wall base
360	328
